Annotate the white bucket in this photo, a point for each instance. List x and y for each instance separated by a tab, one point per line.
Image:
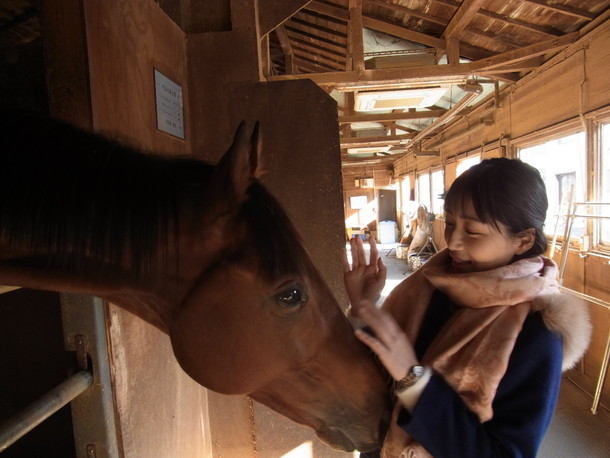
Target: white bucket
387	232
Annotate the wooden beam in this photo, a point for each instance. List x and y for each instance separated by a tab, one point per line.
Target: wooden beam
527	52
401	32
461	18
365	142
386	78
454	30
282	37
385	117
272	13
354	33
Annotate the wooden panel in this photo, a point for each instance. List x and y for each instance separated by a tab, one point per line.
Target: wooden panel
67	68
598	63
160	410
549	98
126	41
302	159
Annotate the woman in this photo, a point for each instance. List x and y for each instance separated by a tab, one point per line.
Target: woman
477	338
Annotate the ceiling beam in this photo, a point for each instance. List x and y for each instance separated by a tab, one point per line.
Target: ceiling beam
366	142
402	32
462	17
287	49
386	78
527	52
355	59
388	117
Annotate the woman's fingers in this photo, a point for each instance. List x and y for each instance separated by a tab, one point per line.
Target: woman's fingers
373	246
382	271
383	325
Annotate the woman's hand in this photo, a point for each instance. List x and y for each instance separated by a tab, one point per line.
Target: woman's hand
363	281
389	342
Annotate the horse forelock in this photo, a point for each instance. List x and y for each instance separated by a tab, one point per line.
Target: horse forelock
73	197
278	243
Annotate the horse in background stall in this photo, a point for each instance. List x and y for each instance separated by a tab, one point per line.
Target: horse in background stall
204	253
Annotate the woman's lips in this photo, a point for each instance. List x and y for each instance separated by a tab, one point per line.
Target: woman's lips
459	264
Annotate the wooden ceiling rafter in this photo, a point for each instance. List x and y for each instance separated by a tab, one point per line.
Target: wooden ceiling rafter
391	117
501	42
282	37
354	32
366	142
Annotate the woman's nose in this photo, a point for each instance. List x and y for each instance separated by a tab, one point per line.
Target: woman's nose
453	239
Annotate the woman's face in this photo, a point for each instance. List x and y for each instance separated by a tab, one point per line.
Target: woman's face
475	246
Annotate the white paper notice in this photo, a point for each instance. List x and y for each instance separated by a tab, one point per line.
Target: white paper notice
169	106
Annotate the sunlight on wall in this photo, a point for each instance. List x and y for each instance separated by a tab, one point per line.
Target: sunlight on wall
363	216
305	450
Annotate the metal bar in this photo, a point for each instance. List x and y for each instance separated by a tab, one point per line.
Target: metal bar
602	377
23	422
603	371
586	297
566	238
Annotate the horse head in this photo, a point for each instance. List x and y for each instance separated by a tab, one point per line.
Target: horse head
259	319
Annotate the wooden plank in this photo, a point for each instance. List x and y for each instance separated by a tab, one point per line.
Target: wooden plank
389	77
67	68
301	47
384	117
287	49
363	142
403	33
336	43
462	18
272	13
411	12
526	52
567	10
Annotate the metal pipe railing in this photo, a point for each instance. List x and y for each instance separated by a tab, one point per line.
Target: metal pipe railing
24	421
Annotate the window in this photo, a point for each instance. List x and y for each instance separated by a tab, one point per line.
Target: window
423	189
604	190
562	163
438	188
465	164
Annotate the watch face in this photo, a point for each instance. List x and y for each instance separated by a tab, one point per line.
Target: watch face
417	371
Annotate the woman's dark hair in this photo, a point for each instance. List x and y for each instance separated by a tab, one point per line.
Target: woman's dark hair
506	191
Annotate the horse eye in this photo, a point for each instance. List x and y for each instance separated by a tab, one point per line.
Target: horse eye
292	296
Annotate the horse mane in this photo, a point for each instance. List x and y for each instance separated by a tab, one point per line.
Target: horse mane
76	200
70	195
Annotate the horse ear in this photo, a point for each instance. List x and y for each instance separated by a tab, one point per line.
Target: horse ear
238	168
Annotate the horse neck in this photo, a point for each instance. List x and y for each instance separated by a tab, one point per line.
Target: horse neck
80	213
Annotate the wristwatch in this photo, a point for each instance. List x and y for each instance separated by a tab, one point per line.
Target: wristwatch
410	379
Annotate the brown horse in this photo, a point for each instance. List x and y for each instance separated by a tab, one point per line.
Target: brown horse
202	252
